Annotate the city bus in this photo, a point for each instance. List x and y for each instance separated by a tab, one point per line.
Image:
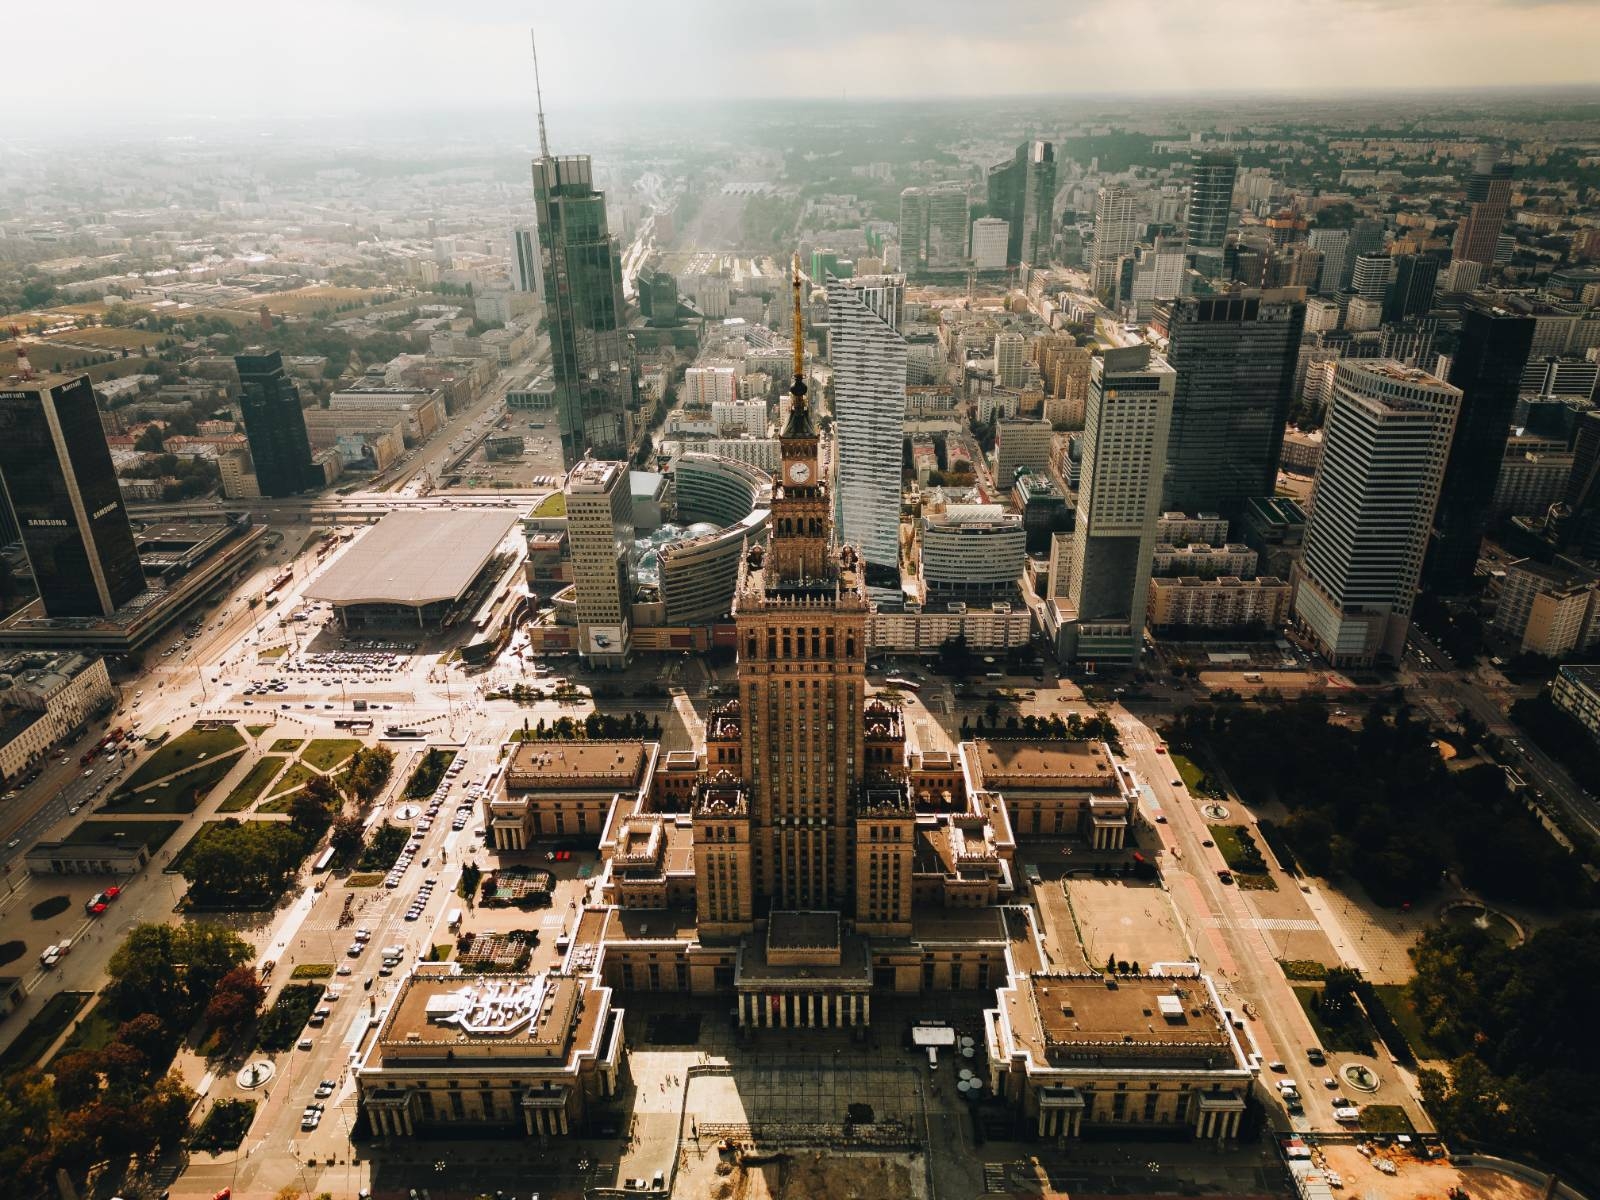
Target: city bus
324	861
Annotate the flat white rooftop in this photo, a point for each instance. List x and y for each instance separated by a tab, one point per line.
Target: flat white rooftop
416	557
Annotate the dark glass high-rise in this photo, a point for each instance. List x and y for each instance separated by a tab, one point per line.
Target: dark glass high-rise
591	355
58	476
274	424
1235	356
1487	367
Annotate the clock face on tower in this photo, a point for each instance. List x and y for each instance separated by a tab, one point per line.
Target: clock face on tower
799	472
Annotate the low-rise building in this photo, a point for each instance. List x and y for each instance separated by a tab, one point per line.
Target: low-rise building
238	473
1576	692
1182	529
1054	789
972	556
1552	610
1205	561
1087	1053
535	1055
1302	452
46	697
566	789
1189	602
916	630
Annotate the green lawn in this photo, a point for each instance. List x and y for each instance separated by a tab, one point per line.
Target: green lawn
327	753
429	772
1386	1118
1405	1015
286	745
154	833
256	730
185	750
294	778
36	1036
1348	1039
1231	840
94	1032
224	1127
1191	775
253	784
180	794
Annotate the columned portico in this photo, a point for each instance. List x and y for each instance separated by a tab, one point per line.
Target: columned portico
803	1010
1061	1112
1218	1115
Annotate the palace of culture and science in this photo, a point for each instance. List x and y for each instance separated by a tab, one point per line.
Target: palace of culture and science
806	862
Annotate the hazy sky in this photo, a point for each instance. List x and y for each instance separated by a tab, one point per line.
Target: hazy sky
103	59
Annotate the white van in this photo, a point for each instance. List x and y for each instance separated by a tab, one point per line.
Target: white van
454	922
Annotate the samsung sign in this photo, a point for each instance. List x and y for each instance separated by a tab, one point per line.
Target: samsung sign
104	509
50	522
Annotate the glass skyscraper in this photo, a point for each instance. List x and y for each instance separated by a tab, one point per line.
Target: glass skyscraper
590	352
274	424
868	356
1211	179
1022	191
1235	357
1487	367
58	476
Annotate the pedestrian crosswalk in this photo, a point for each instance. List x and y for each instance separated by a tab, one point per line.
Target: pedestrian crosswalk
1271	924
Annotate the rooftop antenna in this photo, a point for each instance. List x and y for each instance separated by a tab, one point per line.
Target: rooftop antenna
544	142
798	389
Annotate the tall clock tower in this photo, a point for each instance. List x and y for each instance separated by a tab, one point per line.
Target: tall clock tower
800	528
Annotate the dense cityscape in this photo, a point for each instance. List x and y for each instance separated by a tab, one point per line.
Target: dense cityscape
858	647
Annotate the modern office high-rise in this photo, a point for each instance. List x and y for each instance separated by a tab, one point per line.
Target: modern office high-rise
1488	202
1125	439
1010	359
933	227
600	537
1383	458
1411	292
274	424
591	355
1337	261
1491	352
990	236
1021	191
57	473
525	271
1575	521
1234	355
1370	278
1211	180
1116	233
868	356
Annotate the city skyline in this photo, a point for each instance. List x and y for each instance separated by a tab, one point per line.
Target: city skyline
888	51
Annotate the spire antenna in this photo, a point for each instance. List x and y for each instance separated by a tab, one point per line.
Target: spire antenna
798	390
544	142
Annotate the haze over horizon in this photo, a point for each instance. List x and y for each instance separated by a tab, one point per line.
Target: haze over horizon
358	57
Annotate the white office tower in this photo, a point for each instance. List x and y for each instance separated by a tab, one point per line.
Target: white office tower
868	357
1384	447
1158	274
600	541
1337	265
1010	360
989	238
705	386
525	267
1125	428
1116	233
